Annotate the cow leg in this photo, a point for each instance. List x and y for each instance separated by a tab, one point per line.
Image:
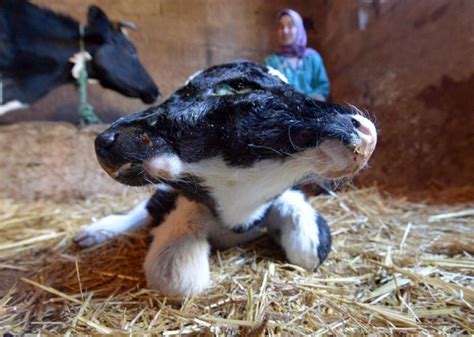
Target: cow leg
299	229
10	106
177	263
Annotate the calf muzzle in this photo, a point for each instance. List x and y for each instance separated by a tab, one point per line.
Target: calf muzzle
121	152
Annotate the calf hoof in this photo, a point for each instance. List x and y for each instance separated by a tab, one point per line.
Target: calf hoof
98	232
312	253
303	234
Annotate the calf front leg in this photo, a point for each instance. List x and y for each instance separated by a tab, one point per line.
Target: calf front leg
144	213
177	263
113	225
299	229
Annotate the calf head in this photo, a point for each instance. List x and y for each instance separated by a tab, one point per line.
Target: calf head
114	59
236	118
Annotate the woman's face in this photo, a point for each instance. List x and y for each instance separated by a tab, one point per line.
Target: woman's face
286	30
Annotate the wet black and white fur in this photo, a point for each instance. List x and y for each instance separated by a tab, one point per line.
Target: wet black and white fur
225	152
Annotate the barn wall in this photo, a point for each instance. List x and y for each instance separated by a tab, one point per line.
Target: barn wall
52	160
412	68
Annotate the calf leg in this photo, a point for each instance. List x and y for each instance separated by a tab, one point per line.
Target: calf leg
223	238
145	213
299	229
177	263
113	225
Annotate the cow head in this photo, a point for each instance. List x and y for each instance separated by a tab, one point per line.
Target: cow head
115	62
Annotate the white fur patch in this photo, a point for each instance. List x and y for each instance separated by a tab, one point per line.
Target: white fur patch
190	78
292	221
167	166
277	73
179	269
242	194
177	263
342	161
10	106
79	60
368	135
113	225
336	159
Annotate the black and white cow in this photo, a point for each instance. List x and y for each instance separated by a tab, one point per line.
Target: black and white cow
226	151
36	45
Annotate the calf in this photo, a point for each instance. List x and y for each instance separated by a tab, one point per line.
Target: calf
226	151
36	45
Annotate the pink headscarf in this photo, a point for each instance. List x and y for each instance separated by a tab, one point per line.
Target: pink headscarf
298	47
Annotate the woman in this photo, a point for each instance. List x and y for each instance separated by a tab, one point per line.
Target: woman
303	67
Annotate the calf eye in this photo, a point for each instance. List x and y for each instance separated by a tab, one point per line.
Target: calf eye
223	90
234	87
146	139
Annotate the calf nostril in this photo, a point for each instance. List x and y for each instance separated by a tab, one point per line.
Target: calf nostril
363	125
107	140
355	122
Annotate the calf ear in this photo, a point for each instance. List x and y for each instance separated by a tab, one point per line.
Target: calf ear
97	22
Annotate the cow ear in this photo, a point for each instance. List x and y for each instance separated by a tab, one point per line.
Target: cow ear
97	22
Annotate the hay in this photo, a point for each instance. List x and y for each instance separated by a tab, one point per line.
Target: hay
397	267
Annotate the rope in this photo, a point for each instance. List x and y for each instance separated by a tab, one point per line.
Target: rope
86	111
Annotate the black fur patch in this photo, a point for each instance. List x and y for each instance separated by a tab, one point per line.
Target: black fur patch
161	204
193	188
325	240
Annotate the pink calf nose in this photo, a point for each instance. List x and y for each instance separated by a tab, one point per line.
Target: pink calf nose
367	134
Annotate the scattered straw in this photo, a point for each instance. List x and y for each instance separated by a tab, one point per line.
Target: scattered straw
397	267
467	212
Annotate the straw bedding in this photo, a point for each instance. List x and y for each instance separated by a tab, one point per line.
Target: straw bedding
397	267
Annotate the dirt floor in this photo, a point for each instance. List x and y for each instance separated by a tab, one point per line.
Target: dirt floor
396	267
